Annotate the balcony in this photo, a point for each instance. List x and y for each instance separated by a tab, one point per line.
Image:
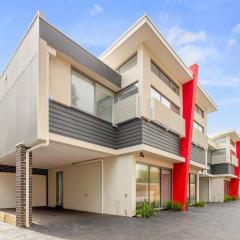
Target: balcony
166	117
223	168
200	139
234	161
125	110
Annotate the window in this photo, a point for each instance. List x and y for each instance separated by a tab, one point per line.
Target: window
199	111
156	95
191	196
104	102
127	92
82	92
197	126
220	140
166	189
91	97
142	181
157	70
153	184
130	63
226	188
232	142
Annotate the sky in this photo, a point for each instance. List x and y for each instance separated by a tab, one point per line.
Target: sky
204	32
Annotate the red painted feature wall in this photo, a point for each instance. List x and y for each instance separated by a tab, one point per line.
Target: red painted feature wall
181	170
234	187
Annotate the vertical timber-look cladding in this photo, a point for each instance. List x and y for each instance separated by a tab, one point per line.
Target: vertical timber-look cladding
181	170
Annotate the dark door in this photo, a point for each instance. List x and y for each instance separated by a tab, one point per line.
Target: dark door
59	189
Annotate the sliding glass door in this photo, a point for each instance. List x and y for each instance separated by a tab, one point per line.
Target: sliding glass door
154	188
166	189
153	184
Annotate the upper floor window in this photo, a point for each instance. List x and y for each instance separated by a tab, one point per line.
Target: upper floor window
197	126
130	63
220	140
127	92
199	111
232	142
91	97
156	95
167	80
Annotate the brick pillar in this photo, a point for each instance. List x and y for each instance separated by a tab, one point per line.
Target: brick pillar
21	186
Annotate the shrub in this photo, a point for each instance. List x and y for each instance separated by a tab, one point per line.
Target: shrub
145	209
228	198
199	204
174	206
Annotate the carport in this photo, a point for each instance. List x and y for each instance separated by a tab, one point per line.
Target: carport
63	176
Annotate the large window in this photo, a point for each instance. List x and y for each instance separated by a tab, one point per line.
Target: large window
197	126
91	97
199	111
167	80
153	184
127	92
156	95
130	63
192	188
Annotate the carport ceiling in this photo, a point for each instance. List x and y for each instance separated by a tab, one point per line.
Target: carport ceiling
57	154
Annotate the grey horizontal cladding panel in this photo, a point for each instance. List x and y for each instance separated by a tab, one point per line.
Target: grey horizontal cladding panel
64	44
129	134
198	154
73	123
76	124
223	168
158	137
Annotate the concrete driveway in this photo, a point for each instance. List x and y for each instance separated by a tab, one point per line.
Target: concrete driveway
216	221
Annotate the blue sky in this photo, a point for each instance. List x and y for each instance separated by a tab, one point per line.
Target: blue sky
206	32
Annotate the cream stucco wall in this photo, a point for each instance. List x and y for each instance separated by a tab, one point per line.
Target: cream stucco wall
216	189
204	190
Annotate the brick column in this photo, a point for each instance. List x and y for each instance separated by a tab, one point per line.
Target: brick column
181	170
21	186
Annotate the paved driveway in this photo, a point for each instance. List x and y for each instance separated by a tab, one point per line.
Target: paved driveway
216	221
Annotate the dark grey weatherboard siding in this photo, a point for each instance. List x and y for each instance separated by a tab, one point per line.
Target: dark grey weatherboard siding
73	123
64	44
223	168
198	154
158	137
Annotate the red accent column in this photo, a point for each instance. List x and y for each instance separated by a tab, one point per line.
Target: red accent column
234	187
181	170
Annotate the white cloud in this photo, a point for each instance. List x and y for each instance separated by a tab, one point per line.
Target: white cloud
236	29
96	9
192	47
179	36
231	43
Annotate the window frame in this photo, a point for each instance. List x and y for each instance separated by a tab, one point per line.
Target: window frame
199	126
160	180
199	111
73	69
167	80
118	69
163	96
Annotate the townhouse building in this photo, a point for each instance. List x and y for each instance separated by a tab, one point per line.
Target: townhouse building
222	177
100	134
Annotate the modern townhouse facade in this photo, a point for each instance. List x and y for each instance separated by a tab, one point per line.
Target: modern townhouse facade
100	134
222	177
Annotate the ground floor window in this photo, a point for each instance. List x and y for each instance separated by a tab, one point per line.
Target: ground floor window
192	188
153	184
226	188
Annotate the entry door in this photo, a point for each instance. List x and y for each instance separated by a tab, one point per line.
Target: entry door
59	189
